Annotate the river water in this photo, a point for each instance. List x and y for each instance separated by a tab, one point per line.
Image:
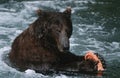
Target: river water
96	26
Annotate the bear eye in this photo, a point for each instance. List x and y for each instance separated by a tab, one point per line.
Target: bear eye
58	30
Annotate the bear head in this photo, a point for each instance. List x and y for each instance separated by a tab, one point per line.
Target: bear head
55	28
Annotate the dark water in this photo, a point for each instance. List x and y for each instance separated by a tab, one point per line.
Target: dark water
96	27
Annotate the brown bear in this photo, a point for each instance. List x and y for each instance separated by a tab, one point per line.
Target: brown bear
44	45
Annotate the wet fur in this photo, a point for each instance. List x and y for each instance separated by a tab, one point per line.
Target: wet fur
37	47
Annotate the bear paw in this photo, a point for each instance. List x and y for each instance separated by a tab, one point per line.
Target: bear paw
90	55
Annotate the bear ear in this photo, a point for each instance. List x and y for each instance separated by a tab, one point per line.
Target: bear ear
39	12
68	10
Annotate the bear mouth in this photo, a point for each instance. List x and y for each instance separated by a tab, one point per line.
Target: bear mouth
64	49
63	43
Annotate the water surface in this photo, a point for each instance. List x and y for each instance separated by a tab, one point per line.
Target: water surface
96	26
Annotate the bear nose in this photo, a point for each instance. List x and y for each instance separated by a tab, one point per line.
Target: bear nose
66	44
66	48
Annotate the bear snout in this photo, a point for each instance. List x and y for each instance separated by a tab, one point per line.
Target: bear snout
63	44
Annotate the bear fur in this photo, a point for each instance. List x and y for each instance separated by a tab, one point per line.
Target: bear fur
44	45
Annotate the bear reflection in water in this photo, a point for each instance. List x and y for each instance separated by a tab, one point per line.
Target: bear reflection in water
44	46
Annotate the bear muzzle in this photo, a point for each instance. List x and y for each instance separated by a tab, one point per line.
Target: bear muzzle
63	44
